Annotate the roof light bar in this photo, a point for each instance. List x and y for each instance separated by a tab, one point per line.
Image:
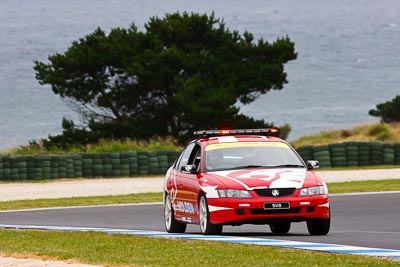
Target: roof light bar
274	131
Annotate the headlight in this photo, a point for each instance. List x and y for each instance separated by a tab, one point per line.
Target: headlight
312	191
232	193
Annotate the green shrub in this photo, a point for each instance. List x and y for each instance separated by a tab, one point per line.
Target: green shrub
380	132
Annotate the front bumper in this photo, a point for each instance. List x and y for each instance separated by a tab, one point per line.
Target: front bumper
243	211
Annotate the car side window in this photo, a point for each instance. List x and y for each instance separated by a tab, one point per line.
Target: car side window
185	156
195	156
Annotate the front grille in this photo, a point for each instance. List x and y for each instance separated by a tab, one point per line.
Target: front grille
283	192
263	212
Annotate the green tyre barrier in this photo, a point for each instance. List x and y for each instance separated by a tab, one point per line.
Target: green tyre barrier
107	170
153	160
338	155
325	164
397	154
306	152
124	161
124	167
115	161
350	163
320	154
131	154
316	149
97	161
107	167
116	173
338	162
6	173
38	174
98	170
45	163
106	158
143	172
125	173
143	161
87	173
376	153
1	168
363	154
337	147
133	165
389	154
172	156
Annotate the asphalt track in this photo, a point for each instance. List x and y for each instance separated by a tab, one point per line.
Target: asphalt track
366	220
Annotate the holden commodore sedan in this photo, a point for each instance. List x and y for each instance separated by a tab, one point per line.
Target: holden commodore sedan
247	176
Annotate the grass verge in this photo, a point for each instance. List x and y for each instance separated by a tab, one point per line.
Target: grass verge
80	201
111	146
364	186
125	250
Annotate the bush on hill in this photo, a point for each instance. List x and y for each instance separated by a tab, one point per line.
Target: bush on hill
379	132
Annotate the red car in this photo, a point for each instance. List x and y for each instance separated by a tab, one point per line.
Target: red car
235	177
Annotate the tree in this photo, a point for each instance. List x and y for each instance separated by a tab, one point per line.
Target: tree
388	111
186	72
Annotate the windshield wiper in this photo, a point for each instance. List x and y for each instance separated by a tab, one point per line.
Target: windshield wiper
250	166
287	166
267	166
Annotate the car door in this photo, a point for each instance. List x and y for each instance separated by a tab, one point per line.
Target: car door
187	184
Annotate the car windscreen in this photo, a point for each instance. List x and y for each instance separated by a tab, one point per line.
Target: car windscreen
238	155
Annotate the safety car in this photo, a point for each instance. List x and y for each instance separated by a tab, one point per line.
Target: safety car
244	176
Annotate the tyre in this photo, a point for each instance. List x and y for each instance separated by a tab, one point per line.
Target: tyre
280	228
325	164
206	227
171	225
317	149
319	226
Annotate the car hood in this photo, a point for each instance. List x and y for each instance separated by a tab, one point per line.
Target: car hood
250	179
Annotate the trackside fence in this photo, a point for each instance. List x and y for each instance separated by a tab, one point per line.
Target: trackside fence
352	154
124	164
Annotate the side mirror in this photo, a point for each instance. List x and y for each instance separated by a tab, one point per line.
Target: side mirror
189	169
312	164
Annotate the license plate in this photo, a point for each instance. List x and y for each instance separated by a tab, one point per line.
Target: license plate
276	205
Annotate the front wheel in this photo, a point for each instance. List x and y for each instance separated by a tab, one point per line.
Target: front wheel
319	226
206	227
171	225
280	228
